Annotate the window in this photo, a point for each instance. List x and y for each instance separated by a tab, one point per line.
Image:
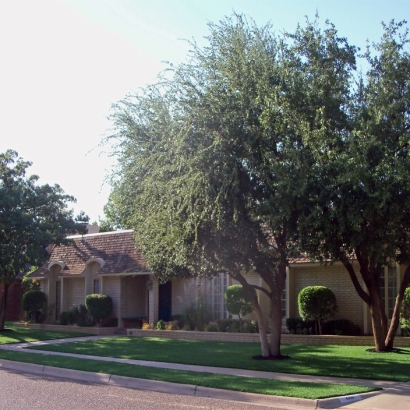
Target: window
214	295
58	300
388	288
96	286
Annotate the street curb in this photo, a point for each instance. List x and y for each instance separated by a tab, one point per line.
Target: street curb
157	386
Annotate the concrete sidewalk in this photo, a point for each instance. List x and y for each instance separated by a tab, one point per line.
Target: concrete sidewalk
393	396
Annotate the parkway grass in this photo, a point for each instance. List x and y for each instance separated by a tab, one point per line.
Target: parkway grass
237	383
328	360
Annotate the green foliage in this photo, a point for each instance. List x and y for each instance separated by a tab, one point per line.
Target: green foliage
99	306
76	315
234	326
32	217
195	317
405	311
341	327
161	325
299	326
211	327
28	283
318	303
34	303
238	302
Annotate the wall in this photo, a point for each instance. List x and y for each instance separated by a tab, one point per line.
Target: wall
334	277
111	286
184	292
134	296
74	289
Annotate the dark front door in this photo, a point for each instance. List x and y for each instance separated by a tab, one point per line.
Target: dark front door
165	301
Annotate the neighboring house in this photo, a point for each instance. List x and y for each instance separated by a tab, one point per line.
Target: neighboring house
109	263
14	296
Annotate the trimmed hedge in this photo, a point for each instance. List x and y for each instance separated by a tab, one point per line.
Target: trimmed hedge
34	303
99	306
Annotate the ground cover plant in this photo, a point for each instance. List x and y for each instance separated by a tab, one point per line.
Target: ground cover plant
26	335
304	390
329	360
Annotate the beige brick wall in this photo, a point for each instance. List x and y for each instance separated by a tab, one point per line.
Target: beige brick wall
334	277
112	287
134	295
74	288
184	292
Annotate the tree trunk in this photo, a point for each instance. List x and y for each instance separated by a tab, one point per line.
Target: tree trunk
262	328
276	325
376	317
4	306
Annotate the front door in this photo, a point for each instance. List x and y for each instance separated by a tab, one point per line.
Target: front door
165	301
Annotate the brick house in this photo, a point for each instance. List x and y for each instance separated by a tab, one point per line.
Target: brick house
109	263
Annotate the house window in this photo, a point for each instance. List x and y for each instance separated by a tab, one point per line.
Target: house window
214	295
58	300
388	286
96	286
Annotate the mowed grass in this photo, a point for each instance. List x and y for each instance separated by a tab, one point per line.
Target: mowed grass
25	335
329	360
306	390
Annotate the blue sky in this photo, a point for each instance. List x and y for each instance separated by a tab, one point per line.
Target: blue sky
64	62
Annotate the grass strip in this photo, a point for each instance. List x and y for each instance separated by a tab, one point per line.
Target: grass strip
237	383
328	360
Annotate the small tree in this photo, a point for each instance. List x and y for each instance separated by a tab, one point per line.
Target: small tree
318	303
99	306
34	303
238	302
405	311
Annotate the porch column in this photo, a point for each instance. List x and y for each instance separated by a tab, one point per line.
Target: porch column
153	302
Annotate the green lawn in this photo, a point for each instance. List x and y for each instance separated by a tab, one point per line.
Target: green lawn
25	335
329	360
245	384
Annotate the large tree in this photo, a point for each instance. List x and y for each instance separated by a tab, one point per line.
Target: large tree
32	217
360	197
212	166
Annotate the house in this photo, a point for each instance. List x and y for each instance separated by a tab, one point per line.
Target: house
109	263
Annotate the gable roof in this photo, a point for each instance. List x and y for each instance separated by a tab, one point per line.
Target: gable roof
116	249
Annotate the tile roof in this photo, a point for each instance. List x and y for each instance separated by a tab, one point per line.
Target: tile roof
117	249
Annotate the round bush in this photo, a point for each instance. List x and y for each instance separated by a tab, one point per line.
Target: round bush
238	301
318	303
99	306
33	303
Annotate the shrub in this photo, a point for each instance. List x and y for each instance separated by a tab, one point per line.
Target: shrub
196	316
298	326
238	302
146	326
64	318
233	326
161	325
318	303
405	311
211	327
28	283
34	303
100	306
341	327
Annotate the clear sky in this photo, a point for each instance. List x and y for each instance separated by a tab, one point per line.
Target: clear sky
64	62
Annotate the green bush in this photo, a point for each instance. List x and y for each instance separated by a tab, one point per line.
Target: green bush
99	306
233	326
298	326
238	302
211	327
161	325
318	303
64	318
34	303
341	327
76	315
405	312
196	316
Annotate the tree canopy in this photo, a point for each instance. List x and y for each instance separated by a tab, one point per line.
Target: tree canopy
212	160
32	217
